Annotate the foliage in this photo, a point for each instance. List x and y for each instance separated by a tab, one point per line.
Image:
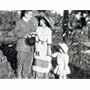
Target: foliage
7	21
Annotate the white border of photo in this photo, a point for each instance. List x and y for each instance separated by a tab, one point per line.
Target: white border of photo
56	5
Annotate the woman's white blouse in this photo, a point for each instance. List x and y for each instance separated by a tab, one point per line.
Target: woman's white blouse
44	34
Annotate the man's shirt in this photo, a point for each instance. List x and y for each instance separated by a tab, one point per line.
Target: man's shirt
22	28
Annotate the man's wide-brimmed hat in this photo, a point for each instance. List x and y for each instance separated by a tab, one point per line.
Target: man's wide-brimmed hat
64	47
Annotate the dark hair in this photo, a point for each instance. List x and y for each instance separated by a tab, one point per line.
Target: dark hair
23	13
56	48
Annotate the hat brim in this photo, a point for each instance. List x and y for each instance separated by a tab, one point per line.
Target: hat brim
39	17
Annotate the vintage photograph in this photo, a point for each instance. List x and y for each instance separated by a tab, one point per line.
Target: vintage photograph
44	44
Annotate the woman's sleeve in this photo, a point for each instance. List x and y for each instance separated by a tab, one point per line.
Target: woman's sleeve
49	37
49	41
37	31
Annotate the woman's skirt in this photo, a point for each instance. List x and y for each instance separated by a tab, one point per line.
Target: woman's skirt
42	64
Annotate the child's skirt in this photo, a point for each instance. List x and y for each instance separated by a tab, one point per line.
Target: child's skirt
59	70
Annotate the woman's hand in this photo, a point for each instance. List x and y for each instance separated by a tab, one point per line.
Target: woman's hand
33	33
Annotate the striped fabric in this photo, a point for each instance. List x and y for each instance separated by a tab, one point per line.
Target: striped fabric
42	64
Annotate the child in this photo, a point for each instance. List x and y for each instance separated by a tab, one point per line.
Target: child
62	68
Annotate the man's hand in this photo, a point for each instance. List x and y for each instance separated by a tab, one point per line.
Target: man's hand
27	35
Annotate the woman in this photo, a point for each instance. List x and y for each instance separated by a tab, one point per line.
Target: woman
43	49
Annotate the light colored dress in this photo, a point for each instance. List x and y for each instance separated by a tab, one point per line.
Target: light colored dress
43	61
62	60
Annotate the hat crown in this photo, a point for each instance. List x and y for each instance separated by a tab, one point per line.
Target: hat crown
64	47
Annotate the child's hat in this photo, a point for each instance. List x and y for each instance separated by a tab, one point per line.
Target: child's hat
64	47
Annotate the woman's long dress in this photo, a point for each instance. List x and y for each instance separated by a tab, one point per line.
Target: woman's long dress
42	60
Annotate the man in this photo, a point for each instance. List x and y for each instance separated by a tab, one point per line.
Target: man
26	25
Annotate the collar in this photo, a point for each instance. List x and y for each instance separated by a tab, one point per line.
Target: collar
25	19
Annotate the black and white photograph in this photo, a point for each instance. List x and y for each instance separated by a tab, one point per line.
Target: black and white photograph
44	44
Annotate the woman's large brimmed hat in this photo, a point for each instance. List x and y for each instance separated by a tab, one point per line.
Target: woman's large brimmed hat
48	19
64	47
